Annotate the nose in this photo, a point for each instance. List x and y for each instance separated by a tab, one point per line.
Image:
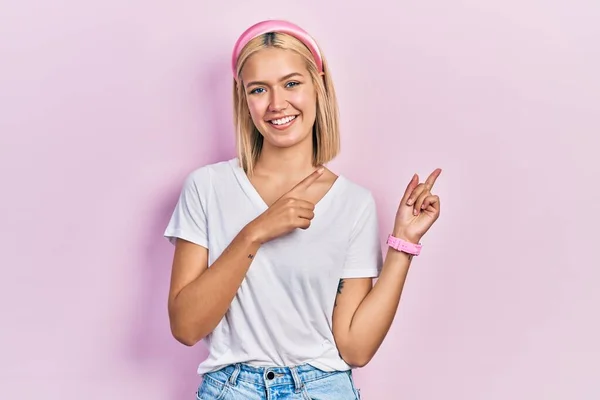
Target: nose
278	101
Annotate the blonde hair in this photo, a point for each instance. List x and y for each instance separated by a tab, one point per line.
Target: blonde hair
326	137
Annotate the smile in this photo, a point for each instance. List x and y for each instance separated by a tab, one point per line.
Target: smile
281	122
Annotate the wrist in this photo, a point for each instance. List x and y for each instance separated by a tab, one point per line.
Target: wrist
251	235
401	243
400	234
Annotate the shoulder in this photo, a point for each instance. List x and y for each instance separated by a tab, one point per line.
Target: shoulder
357	197
204	176
217	169
355	204
200	182
355	192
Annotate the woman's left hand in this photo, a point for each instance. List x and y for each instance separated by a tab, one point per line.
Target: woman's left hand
418	210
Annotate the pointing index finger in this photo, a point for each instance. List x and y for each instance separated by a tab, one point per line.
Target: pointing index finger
432	178
309	180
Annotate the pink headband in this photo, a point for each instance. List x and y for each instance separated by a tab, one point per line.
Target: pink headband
275	26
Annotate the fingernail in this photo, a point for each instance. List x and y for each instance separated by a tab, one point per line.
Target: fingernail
409	202
415	211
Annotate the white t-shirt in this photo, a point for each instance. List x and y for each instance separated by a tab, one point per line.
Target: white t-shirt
282	312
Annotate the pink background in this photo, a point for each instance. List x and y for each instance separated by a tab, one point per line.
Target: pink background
105	106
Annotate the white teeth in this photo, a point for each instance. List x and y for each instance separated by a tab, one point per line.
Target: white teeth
282	121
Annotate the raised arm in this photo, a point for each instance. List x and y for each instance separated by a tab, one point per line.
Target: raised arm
364	313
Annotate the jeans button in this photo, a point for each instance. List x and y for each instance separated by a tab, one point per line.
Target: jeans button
270	375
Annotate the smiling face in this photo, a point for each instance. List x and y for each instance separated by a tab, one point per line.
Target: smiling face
276	77
281	97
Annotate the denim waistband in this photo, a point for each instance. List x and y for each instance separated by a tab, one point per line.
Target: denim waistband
271	376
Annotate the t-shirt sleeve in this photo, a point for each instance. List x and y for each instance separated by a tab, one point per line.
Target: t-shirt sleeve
188	220
364	258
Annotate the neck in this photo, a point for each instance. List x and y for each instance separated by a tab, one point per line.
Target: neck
286	162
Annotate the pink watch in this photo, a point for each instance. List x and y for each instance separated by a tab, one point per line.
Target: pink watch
404	246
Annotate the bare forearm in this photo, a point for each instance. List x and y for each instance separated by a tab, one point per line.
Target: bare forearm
201	305
375	314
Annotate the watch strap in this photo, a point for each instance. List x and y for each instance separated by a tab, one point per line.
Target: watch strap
404	246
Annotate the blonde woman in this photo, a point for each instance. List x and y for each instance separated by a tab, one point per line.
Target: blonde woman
275	254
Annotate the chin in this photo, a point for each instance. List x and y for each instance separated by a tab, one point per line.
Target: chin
284	141
286	138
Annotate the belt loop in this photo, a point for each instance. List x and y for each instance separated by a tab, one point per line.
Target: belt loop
234	375
298	384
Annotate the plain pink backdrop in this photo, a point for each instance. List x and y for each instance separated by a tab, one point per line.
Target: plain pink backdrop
105	106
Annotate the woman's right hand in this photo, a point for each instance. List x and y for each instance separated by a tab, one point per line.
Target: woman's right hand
289	212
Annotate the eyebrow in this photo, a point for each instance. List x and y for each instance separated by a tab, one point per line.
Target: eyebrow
288	76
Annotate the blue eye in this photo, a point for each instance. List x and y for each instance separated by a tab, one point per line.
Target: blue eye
255	91
292	84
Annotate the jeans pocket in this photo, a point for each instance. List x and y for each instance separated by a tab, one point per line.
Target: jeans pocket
211	389
334	386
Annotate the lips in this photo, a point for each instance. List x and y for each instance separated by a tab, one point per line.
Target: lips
282	121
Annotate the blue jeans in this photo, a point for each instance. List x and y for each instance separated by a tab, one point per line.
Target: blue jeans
304	382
